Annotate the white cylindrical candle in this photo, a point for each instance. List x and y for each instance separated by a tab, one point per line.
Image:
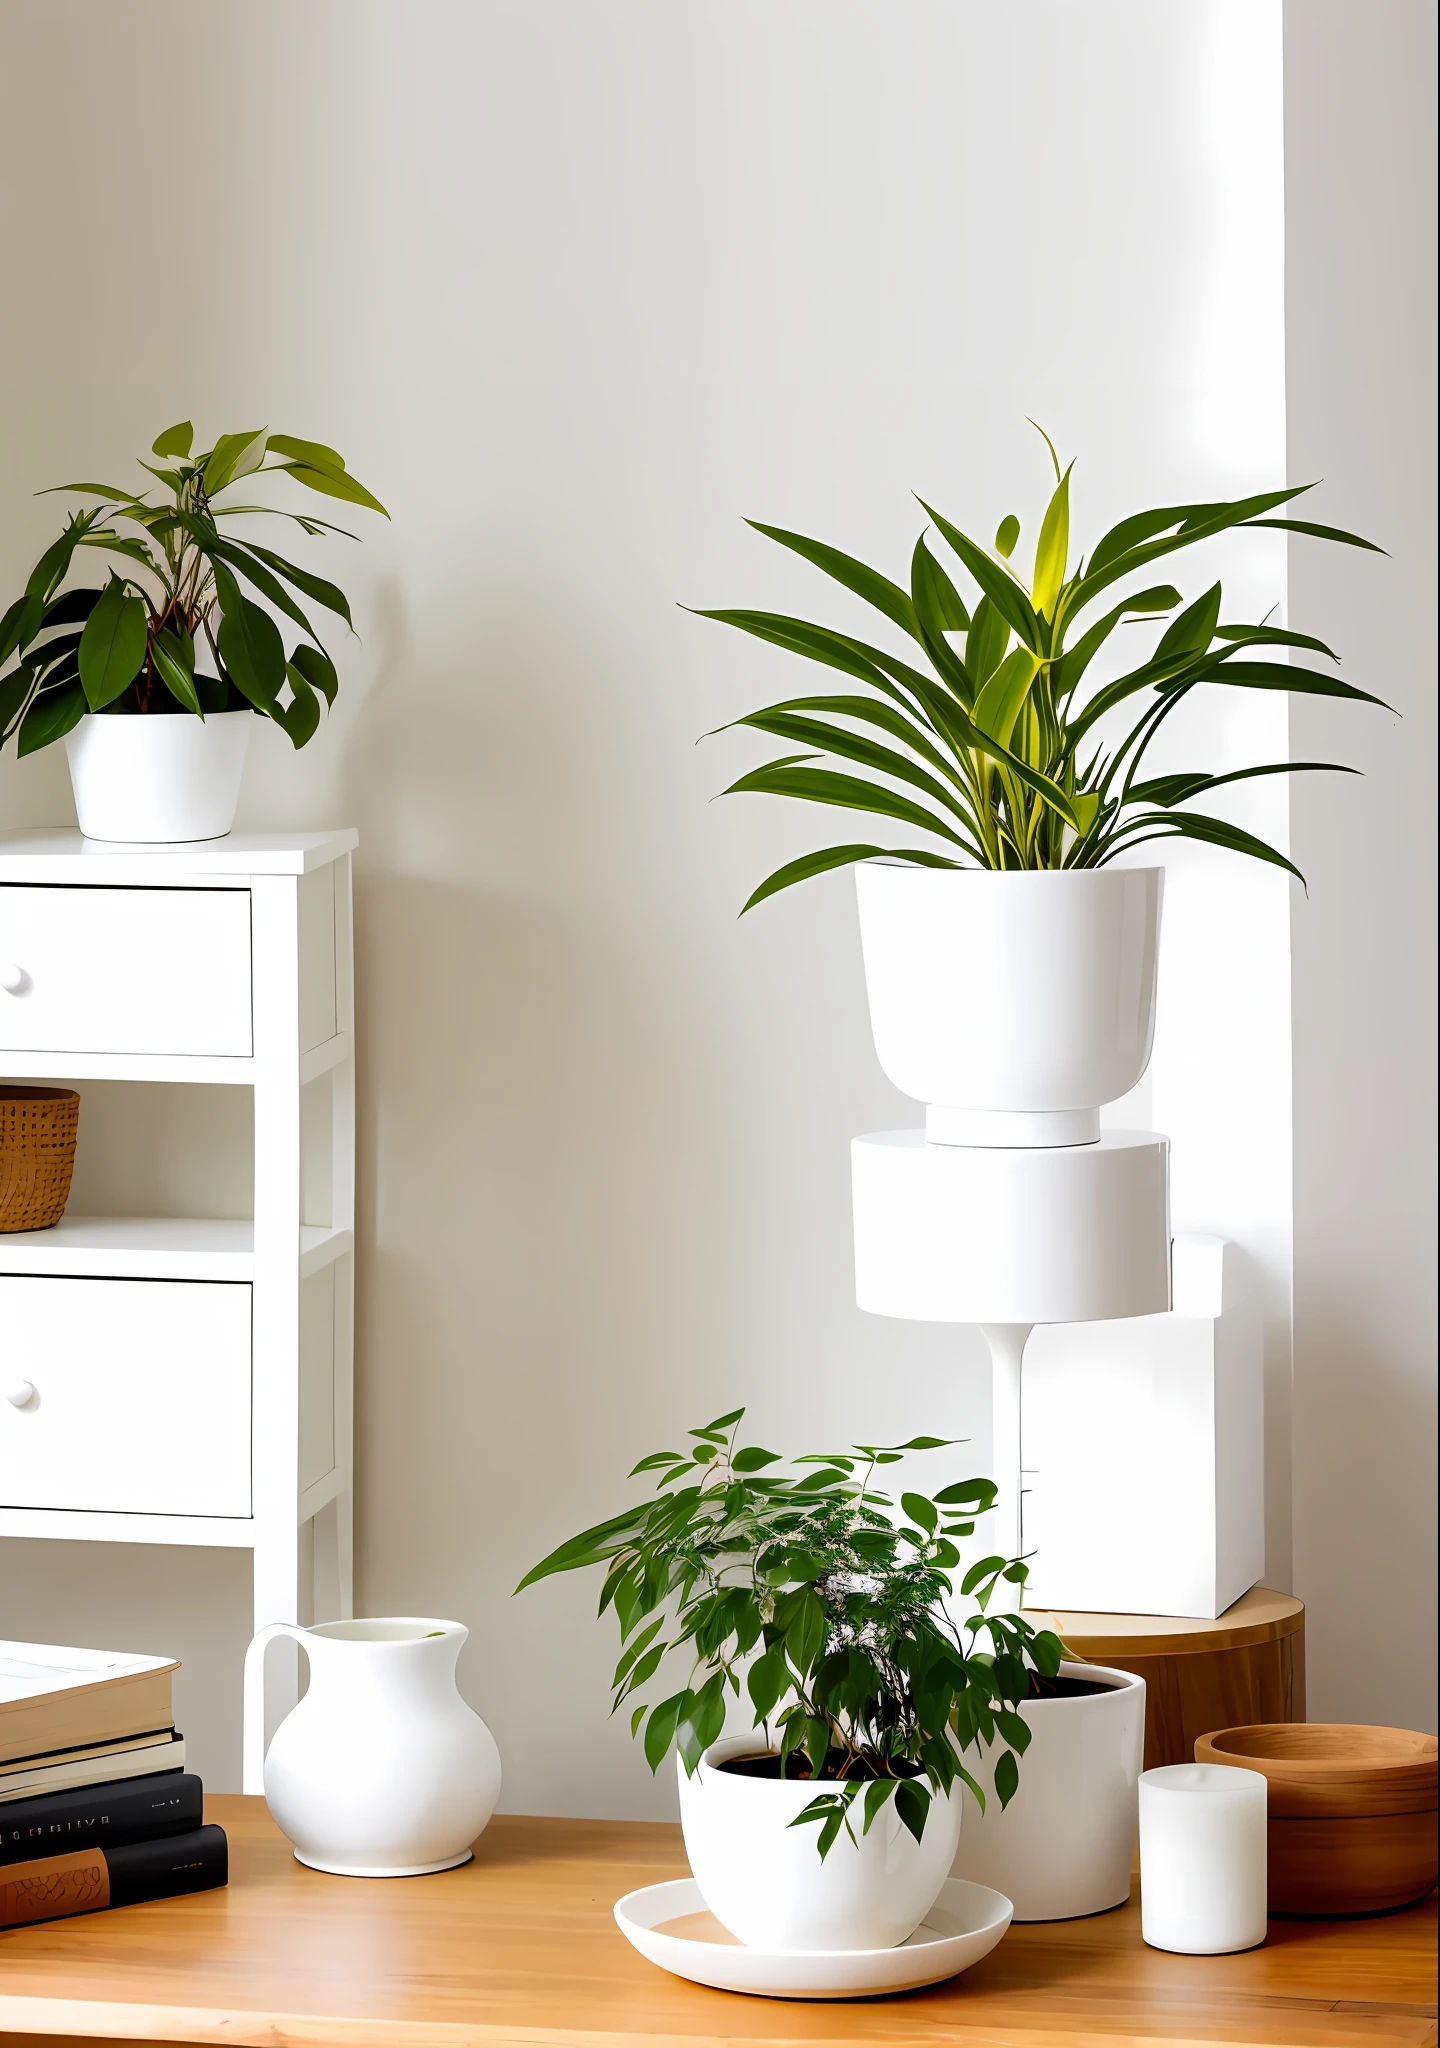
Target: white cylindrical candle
1202	1858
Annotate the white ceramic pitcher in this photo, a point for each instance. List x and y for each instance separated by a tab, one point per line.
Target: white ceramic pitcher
381	1770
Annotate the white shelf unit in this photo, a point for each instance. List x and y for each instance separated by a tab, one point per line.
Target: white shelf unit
190	1379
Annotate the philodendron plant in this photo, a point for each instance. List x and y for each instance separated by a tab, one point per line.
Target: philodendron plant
174	598
1003	746
809	1591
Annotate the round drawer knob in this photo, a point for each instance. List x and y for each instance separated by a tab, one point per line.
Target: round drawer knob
12	978
20	1393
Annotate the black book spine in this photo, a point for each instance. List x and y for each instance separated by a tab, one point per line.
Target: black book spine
99	1816
169	1867
66	1881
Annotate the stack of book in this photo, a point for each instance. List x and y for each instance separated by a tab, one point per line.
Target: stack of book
96	1806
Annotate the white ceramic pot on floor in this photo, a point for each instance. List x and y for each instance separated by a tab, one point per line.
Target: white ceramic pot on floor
158	779
1065	1843
1014	1005
764	1880
381	1770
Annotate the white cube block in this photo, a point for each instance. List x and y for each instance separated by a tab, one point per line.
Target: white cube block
1143	1447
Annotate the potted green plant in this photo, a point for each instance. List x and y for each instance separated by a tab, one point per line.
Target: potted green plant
815	1601
1002	740
152	679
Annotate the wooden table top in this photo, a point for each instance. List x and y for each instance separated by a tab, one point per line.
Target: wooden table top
519	1950
1259	1616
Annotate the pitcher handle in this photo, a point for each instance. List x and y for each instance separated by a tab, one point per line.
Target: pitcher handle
253	1777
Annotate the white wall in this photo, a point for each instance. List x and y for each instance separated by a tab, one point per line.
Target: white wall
1360	225
574	287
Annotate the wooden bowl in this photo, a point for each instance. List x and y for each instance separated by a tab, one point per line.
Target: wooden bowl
1352	1811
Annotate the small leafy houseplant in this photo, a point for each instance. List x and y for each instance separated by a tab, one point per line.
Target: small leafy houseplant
809	1595
992	736
177	625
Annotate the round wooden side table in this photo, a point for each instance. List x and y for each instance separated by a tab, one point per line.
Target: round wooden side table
1247	1666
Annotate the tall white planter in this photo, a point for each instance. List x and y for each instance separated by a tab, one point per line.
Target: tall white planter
1014	1005
1065	1843
764	1880
164	778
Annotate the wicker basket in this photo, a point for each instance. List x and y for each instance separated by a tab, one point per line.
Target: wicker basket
37	1155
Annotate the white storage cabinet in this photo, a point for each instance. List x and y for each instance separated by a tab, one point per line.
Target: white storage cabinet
181	1379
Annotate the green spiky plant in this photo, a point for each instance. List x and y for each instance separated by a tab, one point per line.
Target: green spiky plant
809	1590
998	745
140	643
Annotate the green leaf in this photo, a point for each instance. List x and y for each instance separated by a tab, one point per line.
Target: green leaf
21	623
50	717
117	492
944	601
250	644
1003	697
1016	1731
983	1569
912	1803
1350	540
767	1682
877	590
1214	831
1274	675
701	1721
112	646
920	1510
1007	1777
301	716
233	456
1167	790
997	583
806	1636
752	1458
174	441
637	1649
49	571
333	485
317	669
985	644
1193	631
1052	550
660	1729
174	661
1007	533
848	792
324	592
314	454
838	857
852	746
591	1546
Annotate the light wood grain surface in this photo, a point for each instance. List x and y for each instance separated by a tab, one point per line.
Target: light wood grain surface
1249	1665
1259	1616
519	1950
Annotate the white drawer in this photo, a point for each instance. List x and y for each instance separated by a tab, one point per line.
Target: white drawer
141	1395
124	970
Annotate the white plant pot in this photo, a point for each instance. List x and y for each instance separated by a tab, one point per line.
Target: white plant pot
1065	1843
764	1880
1015	1004
158	779
381	1770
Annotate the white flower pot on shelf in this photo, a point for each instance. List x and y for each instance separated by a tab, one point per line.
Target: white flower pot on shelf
159	778
1014	1005
1065	1843
765	1882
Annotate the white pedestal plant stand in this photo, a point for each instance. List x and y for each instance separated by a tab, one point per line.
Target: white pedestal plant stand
1008	1237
